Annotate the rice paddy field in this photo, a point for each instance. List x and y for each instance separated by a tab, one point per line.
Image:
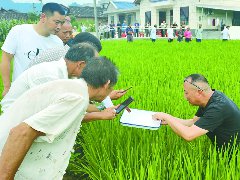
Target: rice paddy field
106	150
156	72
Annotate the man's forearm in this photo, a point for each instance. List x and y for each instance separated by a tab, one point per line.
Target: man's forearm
178	126
18	143
92	116
5	68
187	122
92	108
5	72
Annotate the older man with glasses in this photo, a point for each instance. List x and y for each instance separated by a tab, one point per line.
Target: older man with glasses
217	115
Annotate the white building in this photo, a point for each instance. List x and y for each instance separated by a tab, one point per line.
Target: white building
123	11
212	14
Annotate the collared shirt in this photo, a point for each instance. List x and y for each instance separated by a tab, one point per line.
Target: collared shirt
34	76
55	108
49	55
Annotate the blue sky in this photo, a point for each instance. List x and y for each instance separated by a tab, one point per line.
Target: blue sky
65	2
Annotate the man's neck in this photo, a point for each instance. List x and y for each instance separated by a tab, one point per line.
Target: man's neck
206	98
40	30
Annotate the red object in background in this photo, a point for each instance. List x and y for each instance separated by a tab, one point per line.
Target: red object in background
141	34
124	35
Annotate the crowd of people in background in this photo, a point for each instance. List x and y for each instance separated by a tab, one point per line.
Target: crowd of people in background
171	32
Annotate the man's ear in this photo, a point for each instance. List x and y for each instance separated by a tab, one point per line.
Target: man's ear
43	16
81	64
106	85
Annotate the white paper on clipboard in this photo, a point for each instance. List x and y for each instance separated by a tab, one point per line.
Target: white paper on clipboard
139	119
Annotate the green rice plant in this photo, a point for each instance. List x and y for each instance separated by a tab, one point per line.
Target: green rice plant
156	72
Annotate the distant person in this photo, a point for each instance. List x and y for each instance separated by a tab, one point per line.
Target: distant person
147	29
163	27
112	30
153	33
36	139
119	29
180	34
25	42
225	33
74	30
170	34
188	35
198	33
129	32
124	26
174	26
136	29
83	28
217	116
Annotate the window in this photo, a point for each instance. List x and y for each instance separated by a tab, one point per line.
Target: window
148	17
111	19
184	15
236	18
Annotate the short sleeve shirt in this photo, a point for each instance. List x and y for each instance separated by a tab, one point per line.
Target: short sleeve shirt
221	117
55	108
35	76
25	44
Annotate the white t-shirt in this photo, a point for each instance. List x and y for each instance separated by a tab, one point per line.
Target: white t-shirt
57	109
225	33
25	44
36	75
153	33
170	33
83	28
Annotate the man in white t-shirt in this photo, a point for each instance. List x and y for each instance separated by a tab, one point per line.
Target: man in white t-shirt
25	42
37	138
225	33
170	34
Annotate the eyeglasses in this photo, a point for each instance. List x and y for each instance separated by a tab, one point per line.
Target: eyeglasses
185	80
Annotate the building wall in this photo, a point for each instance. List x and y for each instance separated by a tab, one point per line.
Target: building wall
144	7
195	14
111	8
220	17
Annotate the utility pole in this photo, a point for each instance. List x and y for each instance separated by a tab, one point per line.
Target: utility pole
95	16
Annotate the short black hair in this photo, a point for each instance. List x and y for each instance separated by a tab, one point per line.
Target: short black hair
50	8
81	52
197	78
87	37
98	71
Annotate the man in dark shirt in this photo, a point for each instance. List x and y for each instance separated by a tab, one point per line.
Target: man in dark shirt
217	115
129	32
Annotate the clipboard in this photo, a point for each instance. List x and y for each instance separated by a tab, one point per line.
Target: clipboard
139	119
